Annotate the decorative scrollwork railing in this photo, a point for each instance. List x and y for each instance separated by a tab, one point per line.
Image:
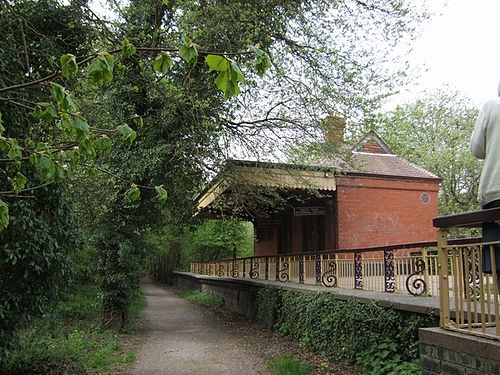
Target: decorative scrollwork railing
210	268
254	269
358	270
317	270
415	283
234	269
473	274
329	278
220	269
282	274
390	279
405	268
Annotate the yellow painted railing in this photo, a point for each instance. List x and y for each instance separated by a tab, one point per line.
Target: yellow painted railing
403	268
469	297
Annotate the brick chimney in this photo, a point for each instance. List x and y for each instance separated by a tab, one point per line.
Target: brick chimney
334	126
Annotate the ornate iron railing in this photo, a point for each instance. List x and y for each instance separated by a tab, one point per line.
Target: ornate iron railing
469	297
410	268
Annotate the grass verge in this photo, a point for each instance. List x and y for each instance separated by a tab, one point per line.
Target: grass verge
202	298
70	339
288	365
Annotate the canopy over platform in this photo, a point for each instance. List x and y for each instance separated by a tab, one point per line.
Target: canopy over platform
251	188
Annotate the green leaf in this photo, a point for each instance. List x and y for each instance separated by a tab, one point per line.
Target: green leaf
61	96
15	152
46	168
57	92
2	129
69	67
222	81
128	49
188	51
162	63
101	68
4	215
236	73
217	63
81	124
133	194
262	61
87	148
4	144
103	145
127	133
18	182
229	74
45	111
161	194
138	121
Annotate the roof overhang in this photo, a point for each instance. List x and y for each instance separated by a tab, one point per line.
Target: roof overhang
266	175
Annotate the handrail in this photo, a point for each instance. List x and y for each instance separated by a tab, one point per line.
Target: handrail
468	287
472	219
401	246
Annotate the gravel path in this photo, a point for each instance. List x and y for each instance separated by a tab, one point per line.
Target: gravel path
180	339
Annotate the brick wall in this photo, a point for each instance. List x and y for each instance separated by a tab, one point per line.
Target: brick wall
449	353
383	211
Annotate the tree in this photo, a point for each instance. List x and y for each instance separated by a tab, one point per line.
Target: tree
34	249
214	240
434	133
147	116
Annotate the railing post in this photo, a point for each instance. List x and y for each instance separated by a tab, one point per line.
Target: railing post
358	270
318	268
426	270
390	281
244	267
266	272
301	269
495	287
277	268
444	289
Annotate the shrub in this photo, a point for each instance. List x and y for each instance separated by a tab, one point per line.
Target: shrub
342	329
384	359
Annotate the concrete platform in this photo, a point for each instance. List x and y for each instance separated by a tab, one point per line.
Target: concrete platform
398	301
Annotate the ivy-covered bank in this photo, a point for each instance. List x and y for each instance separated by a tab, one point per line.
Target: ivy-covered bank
380	340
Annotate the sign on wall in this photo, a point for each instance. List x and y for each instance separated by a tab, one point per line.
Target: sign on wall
309	211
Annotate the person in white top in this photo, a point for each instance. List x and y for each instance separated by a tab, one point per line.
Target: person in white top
485	144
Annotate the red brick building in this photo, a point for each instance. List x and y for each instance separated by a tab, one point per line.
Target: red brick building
375	199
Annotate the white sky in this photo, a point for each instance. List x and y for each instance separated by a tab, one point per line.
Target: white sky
460	47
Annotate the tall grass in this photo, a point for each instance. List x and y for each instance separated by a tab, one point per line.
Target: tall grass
203	298
70	339
287	365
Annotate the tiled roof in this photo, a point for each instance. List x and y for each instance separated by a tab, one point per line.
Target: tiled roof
372	156
389	165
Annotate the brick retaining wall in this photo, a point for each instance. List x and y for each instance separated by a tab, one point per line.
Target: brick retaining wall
449	353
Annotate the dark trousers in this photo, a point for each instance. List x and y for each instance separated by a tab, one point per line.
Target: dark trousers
491	232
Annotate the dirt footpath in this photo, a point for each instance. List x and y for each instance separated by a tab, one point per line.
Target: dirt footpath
181	339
